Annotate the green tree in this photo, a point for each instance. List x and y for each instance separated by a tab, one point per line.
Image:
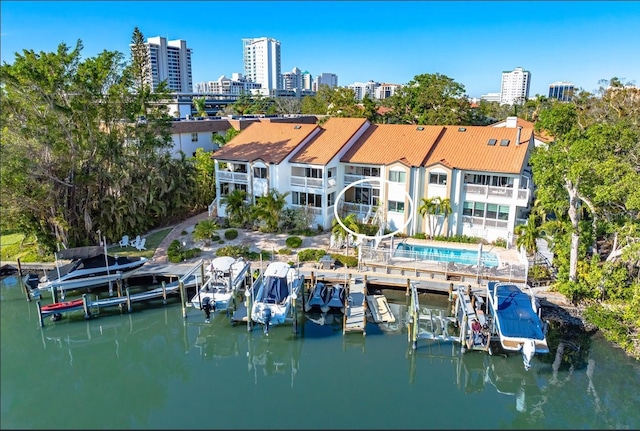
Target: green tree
219	139
204	230
269	207
430	99
236	207
427	209
528	235
340	234
199	104
204	166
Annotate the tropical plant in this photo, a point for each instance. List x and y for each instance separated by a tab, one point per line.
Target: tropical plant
237	208
205	230
434	208
199	104
340	233
268	209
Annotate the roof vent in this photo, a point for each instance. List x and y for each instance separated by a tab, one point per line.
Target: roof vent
419	128
492	141
462	129
297	127
504	143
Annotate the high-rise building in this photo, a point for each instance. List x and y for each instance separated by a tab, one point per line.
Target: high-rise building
330	79
169	61
307	81
364	88
386	90
292	80
515	86
562	91
262	63
236	85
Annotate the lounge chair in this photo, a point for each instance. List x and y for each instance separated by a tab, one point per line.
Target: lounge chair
134	243
124	242
140	246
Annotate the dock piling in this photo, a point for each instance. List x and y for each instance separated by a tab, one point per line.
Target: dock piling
24	285
164	293
85	307
128	300
40	319
182	300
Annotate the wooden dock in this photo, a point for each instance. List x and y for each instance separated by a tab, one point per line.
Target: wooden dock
355	319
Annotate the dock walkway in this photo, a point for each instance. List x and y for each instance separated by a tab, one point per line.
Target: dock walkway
354	314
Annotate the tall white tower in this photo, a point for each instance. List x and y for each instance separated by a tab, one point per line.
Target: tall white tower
515	86
169	61
262	63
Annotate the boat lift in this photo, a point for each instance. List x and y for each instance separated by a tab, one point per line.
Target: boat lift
432	324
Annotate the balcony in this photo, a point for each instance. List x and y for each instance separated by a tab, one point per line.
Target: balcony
502	192
315	183
352	207
349	178
233	177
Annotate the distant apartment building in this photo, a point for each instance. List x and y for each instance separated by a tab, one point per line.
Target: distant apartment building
262	63
383	91
235	85
169	61
362	88
307	81
491	97
330	79
562	91
292	80
515	86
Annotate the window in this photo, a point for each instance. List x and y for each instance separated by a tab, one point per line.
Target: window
367	196
331	172
331	199
367	172
194	137
313	173
503	212
224	189
396	207
239	167
478	209
397	176
467	209
259	172
440	179
306	199
242	187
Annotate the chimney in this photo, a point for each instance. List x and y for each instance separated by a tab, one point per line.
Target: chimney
511	122
518	135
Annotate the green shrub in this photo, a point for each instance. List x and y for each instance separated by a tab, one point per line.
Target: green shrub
348	261
184	232
311	254
464	239
233	251
204	230
284	251
500	242
215	238
220	241
420	236
539	272
231	234
294	242
177	253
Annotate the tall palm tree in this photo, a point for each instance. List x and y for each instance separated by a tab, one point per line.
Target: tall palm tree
444	210
219	139
339	233
426	209
528	235
237	209
200	106
269	207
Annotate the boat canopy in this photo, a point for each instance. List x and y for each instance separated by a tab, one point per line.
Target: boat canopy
517	318
80	252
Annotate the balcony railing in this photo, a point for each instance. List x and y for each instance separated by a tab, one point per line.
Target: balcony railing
352	207
480	222
505	192
234	177
349	178
307	182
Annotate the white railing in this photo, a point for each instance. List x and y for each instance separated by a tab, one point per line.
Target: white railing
352	207
350	178
235	177
212	206
307	182
505	192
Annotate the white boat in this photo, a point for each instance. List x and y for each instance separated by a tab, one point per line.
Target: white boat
224	276
275	290
515	320
89	267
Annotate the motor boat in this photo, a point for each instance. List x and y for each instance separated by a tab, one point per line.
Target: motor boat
89	267
275	291
319	298
515	320
224	276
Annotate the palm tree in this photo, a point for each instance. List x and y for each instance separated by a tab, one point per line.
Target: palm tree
444	209
269	207
339	233
219	139
204	230
528	235
427	209
237	209
199	105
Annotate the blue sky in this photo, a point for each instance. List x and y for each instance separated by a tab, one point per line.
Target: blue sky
471	42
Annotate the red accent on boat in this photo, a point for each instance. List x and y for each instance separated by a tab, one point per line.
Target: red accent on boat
62	305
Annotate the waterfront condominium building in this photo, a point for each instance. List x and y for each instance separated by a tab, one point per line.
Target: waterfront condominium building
262	63
169	61
515	86
562	91
330	79
364	88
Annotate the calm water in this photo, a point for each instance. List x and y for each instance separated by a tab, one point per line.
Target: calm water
442	254
154	369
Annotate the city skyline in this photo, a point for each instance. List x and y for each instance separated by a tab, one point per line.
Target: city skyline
470	42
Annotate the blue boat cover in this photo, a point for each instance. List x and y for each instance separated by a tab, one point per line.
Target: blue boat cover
515	313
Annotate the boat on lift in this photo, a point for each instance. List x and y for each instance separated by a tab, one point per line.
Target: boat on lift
275	291
224	276
337	297
319	298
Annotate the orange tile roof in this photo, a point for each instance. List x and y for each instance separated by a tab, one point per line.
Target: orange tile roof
325	145
382	144
469	150
270	142
543	136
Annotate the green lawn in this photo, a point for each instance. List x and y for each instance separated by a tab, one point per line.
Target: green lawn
14	246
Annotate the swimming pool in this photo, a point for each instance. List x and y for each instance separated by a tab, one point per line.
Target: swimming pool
443	254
